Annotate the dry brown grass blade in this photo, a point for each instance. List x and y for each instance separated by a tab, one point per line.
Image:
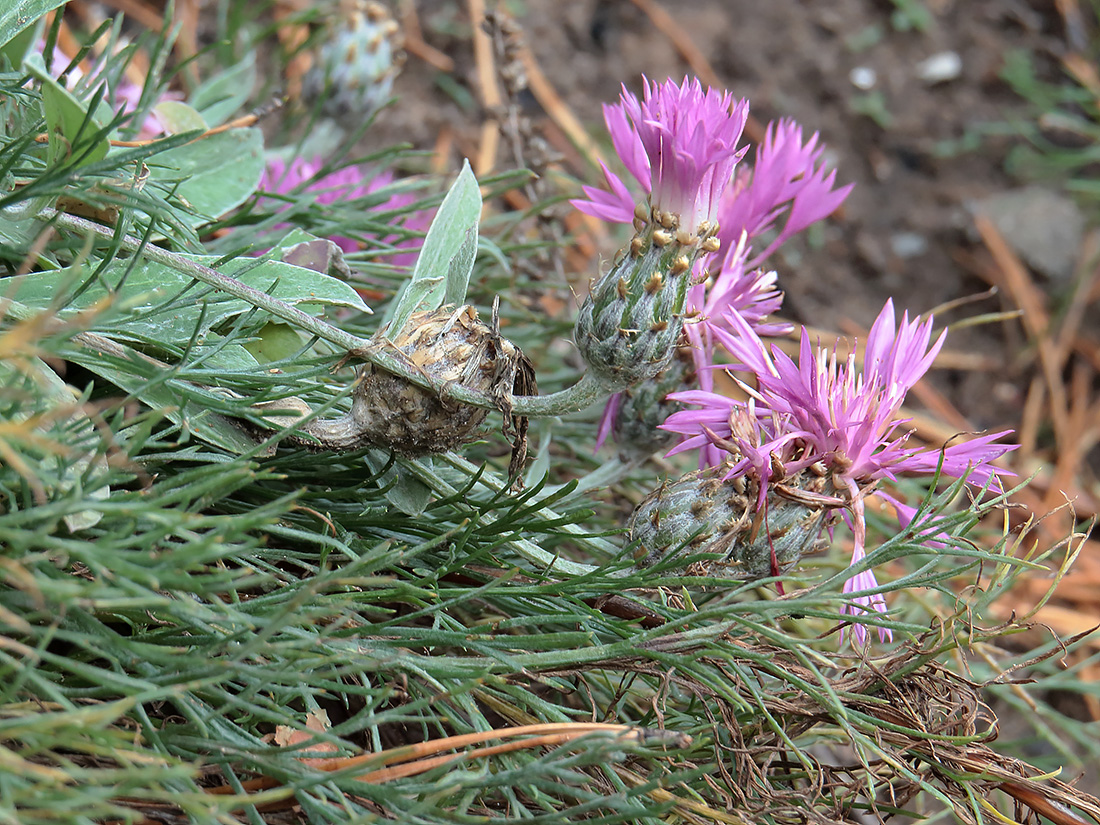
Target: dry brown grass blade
691	810
546	740
186	15
1076	311
186	46
1013	276
1076	29
444	145
415	43
66	40
1089	349
561	115
1081	436
136	10
1084	72
1030	421
1042	804
409	760
292	38
491	98
137	67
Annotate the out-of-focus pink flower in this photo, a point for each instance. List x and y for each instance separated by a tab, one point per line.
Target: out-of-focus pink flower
126	96
123	94
829	412
788	176
345	184
680	143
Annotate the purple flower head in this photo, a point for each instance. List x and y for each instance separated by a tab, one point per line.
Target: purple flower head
127	97
788	176
832	413
345	184
680	143
735	291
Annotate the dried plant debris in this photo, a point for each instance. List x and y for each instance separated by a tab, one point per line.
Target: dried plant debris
447	346
930	729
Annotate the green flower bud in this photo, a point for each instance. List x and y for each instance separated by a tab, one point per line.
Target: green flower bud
701	513
353	71
631	320
641	409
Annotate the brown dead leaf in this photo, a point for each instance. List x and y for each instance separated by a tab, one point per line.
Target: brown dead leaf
317	722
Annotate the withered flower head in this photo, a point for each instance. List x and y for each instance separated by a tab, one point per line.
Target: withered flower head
448	346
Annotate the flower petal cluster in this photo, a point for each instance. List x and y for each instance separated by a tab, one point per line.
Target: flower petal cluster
788	176
736	291
829	411
676	121
680	143
347	183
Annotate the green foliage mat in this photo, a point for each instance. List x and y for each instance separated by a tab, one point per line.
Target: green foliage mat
204	622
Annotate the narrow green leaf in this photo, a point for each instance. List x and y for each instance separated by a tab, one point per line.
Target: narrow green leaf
17	15
222	95
459	269
446	260
70	125
147	296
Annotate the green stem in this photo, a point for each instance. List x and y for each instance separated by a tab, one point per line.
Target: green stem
549	562
581	395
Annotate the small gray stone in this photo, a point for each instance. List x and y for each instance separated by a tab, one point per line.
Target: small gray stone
1045	228
908	244
939	68
863	78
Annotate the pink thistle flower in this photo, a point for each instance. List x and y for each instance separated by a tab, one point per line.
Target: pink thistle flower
680	143
788	176
750	295
127	97
345	184
831	413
